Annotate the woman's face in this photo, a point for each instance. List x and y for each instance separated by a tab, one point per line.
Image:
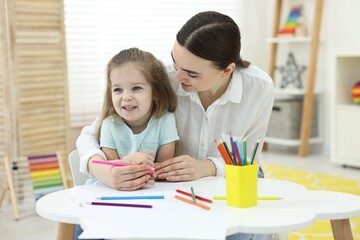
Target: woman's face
195	74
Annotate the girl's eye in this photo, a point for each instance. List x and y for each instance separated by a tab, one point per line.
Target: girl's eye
137	88
117	90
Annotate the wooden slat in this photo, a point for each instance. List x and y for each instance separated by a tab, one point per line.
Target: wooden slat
308	103
39	64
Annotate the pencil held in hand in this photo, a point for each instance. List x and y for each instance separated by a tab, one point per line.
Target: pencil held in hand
119	164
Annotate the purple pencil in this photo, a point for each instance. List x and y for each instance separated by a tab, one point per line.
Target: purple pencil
120	204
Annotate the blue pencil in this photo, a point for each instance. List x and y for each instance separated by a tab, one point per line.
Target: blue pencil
131	197
240	152
245	151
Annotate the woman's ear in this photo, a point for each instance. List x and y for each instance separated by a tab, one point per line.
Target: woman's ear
229	69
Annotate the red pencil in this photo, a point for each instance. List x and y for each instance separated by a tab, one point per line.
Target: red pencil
196	196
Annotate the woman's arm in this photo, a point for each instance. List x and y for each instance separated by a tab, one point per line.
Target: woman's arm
88	147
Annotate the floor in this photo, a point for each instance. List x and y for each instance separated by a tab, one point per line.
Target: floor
31	226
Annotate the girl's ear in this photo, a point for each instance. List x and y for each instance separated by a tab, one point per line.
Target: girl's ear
229	69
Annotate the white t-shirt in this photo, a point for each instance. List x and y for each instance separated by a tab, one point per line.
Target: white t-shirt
244	110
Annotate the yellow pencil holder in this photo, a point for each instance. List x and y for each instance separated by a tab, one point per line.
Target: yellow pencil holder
241	185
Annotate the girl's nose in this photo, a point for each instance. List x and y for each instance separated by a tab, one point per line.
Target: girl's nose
127	96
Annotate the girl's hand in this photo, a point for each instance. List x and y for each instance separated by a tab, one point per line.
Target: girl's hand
138	158
184	168
125	178
128	178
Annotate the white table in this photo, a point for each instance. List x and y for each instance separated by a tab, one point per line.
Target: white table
298	209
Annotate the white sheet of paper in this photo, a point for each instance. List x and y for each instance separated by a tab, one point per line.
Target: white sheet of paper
168	219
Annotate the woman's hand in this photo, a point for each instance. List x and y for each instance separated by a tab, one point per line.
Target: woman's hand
184	168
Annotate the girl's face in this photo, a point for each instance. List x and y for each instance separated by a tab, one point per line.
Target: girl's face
195	74
131	95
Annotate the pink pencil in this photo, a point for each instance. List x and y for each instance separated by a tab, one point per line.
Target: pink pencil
118	164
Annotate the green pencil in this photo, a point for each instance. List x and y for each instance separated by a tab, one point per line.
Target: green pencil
254	152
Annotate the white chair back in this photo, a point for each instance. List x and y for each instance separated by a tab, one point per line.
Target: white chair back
74	162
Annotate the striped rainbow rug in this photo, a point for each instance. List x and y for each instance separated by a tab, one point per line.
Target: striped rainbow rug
321	230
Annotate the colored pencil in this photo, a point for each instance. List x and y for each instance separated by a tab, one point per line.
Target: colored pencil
245	151
120	204
233	147
258	198
228	151
196	196
193	194
240	152
237	155
130	197
255	150
192	202
119	164
223	152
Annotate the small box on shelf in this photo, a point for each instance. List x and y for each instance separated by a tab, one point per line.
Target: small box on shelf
285	120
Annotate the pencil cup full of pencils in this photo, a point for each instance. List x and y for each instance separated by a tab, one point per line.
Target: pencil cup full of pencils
241	185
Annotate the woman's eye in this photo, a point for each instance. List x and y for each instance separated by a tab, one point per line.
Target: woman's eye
192	75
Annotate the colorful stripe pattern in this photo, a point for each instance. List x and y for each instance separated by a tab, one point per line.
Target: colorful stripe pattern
45	174
292	21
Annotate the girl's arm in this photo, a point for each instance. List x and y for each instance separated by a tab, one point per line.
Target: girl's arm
165	152
110	153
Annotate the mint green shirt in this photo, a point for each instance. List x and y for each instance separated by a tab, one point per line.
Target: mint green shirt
117	135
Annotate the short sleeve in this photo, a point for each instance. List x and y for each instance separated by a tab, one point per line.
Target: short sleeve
169	131
106	137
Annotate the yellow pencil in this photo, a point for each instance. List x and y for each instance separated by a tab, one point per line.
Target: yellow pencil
258	198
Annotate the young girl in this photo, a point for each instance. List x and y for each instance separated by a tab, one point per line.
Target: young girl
137	124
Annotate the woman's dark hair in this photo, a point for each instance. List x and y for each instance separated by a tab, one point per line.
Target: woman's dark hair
214	37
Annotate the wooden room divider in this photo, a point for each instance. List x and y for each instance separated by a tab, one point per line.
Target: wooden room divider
34	108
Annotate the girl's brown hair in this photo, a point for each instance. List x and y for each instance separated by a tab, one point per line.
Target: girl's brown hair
155	74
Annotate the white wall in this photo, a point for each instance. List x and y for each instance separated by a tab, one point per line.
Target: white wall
340	32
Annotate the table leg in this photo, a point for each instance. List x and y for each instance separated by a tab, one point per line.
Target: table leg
65	231
341	229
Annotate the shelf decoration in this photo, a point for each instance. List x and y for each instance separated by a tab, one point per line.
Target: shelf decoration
292	22
356	93
291	72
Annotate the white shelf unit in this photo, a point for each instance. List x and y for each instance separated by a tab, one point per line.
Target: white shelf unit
345	125
309	43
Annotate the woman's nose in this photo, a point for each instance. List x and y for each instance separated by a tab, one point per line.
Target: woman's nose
179	77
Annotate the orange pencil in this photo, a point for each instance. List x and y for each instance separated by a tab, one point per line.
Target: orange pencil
191	202
223	152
